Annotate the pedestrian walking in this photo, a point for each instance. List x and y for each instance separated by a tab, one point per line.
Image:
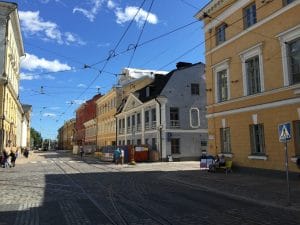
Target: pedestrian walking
5	159
117	154
81	151
122	156
13	158
26	153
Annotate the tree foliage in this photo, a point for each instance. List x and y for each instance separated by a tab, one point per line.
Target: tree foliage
37	137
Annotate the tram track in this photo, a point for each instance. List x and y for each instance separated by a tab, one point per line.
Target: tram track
117	200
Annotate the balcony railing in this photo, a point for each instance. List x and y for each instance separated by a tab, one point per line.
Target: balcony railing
147	126
128	129
174	124
153	124
121	130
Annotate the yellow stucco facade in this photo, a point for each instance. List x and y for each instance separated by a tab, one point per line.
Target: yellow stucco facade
253	80
11	50
105	120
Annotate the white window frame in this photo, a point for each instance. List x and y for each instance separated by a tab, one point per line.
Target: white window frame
285	37
247	54
224	65
198	117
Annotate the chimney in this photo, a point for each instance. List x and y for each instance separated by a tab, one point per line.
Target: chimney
181	65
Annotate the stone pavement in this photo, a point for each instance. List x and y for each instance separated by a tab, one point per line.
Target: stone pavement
265	189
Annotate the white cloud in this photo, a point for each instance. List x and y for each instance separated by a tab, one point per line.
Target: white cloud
33	24
81	85
91	13
49	115
129	13
21	88
32	62
111	4
29	76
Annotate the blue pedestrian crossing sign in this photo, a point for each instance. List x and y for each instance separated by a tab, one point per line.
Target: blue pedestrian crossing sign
284	131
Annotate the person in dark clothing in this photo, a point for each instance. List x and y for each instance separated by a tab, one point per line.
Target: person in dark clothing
5	159
13	159
26	153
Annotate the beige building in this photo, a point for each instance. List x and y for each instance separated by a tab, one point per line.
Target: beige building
66	135
253	79
131	80
11	49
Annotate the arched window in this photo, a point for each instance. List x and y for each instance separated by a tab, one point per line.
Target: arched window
194	118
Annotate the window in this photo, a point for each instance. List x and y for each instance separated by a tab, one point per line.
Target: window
139	142
222	85
154	146
133	120
175	146
253	77
128	121
138	118
195	89
220	34
257	139
194	118
147	125
128	142
252	65
147	91
204	143
153	115
286	2
225	140
296	128
174	117
221	81
249	15
294	61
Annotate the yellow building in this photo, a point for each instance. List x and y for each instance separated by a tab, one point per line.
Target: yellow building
66	135
11	49
253	79
105	119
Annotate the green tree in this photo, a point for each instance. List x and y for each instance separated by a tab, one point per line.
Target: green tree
37	137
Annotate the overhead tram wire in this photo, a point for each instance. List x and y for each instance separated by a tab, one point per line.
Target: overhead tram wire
203	42
111	55
141	33
125	32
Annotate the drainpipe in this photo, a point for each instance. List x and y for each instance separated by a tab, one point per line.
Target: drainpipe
116	120
160	129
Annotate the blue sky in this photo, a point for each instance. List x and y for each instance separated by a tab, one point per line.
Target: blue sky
66	35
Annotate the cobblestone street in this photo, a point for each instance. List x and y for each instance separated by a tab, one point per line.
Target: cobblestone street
58	188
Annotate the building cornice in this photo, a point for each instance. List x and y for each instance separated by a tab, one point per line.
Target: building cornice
211	7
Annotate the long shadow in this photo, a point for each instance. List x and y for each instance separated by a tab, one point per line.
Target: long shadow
68	195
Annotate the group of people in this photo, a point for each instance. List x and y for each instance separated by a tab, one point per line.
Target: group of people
218	162
9	157
8	160
119	156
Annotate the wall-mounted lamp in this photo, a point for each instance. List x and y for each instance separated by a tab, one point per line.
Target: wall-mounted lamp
209	89
234	81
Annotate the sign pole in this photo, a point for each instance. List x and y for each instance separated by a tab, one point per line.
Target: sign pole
287	173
